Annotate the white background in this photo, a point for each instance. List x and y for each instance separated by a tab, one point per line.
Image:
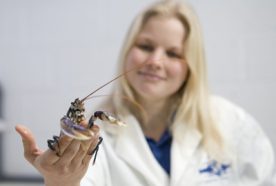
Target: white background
52	51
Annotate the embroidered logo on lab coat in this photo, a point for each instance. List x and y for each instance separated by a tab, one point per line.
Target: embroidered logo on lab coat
215	168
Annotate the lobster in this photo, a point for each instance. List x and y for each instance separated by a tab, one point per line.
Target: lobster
70	124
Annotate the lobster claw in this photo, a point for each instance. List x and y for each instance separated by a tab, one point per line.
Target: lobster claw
105	116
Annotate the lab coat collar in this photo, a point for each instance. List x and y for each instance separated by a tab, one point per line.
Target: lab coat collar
186	141
131	143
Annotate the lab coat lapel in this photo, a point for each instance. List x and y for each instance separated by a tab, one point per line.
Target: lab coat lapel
185	142
132	147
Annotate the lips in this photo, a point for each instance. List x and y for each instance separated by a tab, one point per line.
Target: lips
151	76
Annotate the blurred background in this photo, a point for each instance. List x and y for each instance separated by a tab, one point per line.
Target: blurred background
56	50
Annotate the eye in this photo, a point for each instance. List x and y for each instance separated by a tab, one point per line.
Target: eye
173	54
145	47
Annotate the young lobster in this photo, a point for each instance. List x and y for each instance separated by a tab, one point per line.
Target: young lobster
71	123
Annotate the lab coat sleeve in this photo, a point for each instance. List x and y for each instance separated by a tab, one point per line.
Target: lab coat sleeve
255	154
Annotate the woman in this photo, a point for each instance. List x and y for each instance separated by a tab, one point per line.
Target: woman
177	133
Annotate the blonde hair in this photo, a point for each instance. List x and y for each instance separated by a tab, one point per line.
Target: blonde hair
193	105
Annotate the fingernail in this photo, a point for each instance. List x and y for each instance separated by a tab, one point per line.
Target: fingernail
25	131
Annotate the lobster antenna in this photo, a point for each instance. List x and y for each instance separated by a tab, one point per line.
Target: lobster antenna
113	80
97	96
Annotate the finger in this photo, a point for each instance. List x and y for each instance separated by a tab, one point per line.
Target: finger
69	153
87	143
31	151
78	159
93	145
88	155
88	147
93	151
87	158
62	144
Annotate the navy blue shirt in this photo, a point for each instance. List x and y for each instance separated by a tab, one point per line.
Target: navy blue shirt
162	150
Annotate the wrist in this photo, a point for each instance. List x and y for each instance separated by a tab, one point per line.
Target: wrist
52	183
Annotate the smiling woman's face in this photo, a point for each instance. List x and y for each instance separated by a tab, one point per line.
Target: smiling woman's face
160	46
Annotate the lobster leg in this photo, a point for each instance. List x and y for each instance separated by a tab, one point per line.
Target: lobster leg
104	116
95	150
51	144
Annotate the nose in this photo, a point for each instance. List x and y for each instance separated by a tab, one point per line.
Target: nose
155	58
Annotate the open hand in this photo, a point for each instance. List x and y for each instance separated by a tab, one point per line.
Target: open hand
65	168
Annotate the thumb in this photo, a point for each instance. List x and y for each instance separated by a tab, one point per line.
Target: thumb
31	150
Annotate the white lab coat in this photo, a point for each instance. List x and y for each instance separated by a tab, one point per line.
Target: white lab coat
125	159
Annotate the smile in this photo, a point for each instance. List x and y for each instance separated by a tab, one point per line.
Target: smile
151	76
